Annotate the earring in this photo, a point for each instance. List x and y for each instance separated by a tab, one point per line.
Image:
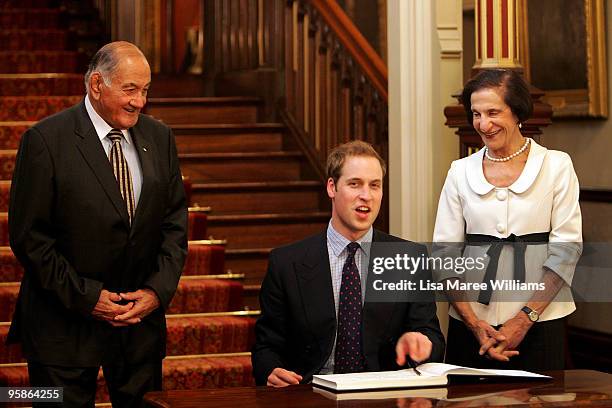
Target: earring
520	125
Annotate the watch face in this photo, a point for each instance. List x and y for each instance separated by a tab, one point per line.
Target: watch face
533	316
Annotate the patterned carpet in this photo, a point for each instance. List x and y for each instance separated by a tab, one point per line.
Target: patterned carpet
209	336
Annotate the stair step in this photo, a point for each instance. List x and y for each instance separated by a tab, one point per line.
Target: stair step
266	230
40	61
34	108
250	296
201	260
22	18
7	163
9	353
254	166
204	110
41	84
5	195
179	373
248	137
8	299
189	334
192	296
260	197
10	268
35	39
192	372
250	262
204	335
5	186
197	224
206	295
10	133
178	85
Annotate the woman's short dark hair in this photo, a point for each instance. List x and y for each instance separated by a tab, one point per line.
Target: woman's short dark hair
516	91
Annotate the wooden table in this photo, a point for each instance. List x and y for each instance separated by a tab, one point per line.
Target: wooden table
568	388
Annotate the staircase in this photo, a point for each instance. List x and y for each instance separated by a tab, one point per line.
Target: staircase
260	186
251	190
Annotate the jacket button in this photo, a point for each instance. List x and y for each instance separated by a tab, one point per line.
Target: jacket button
500	228
501	195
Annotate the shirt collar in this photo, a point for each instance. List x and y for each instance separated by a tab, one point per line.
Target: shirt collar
479	184
102	128
338	242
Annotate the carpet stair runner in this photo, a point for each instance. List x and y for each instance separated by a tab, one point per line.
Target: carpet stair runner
192	296
257	180
40	61
48	40
179	373
262	189
5	189
47	84
10	133
34	108
188	334
204	258
197	224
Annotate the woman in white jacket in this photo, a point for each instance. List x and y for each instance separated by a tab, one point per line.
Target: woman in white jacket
514	203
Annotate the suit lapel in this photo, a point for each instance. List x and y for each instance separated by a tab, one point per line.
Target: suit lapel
92	150
315	284
376	315
144	147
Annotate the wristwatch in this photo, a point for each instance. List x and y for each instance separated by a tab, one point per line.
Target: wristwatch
533	315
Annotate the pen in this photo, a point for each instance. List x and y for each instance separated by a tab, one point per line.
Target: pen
413	365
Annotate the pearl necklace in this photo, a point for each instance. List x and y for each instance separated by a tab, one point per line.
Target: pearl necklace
512	156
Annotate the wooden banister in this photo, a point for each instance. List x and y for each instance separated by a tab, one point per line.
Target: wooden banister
329	86
360	49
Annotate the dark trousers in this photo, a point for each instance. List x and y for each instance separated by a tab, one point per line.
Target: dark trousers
543	348
126	384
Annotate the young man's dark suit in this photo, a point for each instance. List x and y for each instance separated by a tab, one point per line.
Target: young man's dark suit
69	228
298	323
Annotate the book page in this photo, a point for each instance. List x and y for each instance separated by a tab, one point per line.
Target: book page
375	376
441	369
513	373
380	379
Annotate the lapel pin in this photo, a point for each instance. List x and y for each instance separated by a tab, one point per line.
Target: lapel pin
144	148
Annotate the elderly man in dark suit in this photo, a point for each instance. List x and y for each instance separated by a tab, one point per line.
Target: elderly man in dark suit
314	317
98	220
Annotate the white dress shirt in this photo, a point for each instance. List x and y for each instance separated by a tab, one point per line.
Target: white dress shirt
129	148
543	199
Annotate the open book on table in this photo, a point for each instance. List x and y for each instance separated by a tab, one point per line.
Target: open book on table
432	375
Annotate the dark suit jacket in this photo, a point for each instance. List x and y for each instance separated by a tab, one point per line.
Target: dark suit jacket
296	330
69	228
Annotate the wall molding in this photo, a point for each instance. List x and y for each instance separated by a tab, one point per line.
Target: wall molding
450	41
412	85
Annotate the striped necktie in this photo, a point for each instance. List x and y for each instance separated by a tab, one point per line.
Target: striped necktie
121	170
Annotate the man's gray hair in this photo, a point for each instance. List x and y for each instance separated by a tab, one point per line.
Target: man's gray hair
106	60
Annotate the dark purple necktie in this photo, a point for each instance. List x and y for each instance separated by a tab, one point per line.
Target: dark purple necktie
349	356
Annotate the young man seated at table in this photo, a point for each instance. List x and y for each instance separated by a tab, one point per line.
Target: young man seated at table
315	316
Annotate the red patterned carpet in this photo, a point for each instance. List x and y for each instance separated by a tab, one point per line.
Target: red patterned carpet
208	336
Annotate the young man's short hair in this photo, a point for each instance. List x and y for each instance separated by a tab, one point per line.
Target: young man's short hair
338	155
